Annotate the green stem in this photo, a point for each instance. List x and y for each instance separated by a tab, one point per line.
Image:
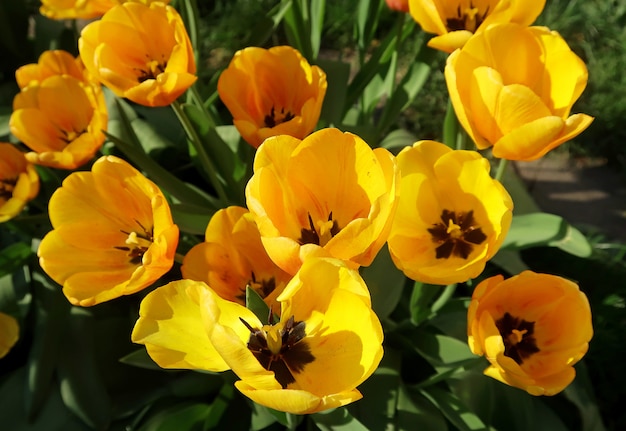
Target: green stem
447	293
197	100
501	169
197	143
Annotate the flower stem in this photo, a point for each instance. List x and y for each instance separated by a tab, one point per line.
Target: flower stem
197	100
501	169
205	160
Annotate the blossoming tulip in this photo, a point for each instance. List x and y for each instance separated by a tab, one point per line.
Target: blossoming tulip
452	216
455	21
272	92
327	195
532	328
326	343
513	87
113	233
153	70
232	257
19	182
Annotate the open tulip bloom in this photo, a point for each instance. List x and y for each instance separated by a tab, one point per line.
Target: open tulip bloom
512	88
113	233
272	92
140	52
19	182
325	343
532	328
451	216
455	21
327	195
232	258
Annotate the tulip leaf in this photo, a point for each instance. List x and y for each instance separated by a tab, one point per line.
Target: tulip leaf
543	229
140	358
338	419
268	24
14	256
194	384
337	76
183	416
422	297
441	349
453	409
414	411
510	261
367	17
5	116
397	140
385	283
261	417
191	218
255	303
82	387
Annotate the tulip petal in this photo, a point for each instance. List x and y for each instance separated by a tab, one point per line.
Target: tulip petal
9	333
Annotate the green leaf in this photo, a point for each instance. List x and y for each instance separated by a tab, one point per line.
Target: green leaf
542	229
14	256
453	409
193	384
184	416
191	218
338	419
510	261
422	297
441	349
261	417
255	303
397	140
416	412
580	392
82	387
140	358
367	17
337	76
268	24
385	283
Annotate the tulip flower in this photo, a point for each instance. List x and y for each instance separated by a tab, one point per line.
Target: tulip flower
51	63
19	182
232	257
452	216
532	328
85	9
272	92
153	70
61	119
9	333
327	340
512	89
455	21
327	195
113	233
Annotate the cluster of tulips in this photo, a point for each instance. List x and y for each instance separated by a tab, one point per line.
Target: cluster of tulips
319	204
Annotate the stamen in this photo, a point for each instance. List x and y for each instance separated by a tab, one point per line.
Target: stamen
456	234
319	233
518	337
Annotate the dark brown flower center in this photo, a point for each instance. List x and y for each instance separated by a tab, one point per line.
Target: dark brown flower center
320	234
153	69
456	234
275	118
281	350
518	337
137	243
6	188
468	18
263	287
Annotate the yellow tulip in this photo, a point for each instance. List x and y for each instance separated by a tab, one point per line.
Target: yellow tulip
85	9
326	343
452	216
455	21
19	182
272	92
113	233
61	119
140	52
51	63
232	257
327	195
513	87
9	333
532	328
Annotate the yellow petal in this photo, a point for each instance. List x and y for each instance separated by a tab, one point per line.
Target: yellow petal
170	326
9	333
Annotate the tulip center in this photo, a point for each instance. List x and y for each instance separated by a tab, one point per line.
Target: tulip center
319	233
70	135
137	243
281	348
468	18
153	69
456	234
275	118
518	337
6	188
